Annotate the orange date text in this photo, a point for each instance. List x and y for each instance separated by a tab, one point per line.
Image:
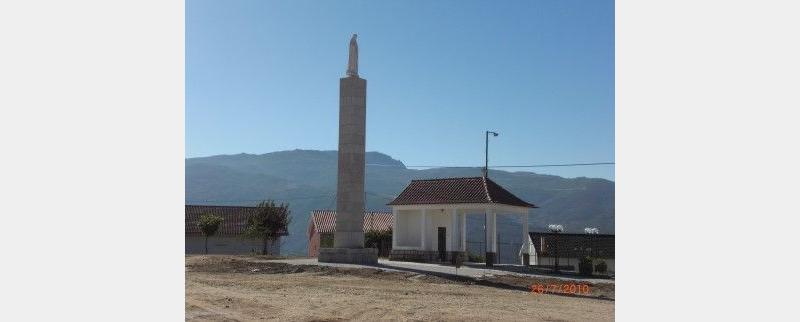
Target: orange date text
579	289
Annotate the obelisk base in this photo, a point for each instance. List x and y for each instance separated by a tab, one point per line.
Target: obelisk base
362	256
349	239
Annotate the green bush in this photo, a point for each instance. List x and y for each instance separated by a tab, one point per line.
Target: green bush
585	266
326	240
374	239
382	240
475	258
601	266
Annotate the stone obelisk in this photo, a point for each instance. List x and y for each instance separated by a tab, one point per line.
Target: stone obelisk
348	239
350	179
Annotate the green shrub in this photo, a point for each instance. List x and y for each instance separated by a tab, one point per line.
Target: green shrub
475	258
585	266
326	240
601	266
375	239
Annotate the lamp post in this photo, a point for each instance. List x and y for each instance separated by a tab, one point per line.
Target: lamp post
486	175
486	165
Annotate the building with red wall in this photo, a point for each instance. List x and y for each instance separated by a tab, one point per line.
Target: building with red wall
322	224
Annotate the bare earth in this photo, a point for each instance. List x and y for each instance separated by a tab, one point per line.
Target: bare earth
231	288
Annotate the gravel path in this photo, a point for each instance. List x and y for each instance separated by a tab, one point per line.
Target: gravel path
245	288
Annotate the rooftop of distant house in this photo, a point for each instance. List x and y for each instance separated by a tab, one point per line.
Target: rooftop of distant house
324	221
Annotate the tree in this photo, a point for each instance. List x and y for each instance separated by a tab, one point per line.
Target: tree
209	224
458	260
268	222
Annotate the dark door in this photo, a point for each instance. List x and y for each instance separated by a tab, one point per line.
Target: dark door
442	237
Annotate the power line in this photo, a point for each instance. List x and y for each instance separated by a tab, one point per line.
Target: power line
258	200
553	165
499	166
332	196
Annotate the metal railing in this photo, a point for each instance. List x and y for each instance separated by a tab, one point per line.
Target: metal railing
507	252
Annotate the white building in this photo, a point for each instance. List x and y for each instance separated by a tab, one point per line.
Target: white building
430	218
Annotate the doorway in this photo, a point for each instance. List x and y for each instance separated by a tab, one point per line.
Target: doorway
442	243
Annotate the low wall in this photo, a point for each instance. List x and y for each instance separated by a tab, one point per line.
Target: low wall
228	245
363	256
572	261
425	256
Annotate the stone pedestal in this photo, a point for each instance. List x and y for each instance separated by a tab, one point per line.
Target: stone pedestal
363	256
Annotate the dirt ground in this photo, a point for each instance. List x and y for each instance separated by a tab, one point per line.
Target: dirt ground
243	288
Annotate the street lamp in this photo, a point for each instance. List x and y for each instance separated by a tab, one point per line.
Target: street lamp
486	165
486	175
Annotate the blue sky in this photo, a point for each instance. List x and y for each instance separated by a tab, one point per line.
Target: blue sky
262	76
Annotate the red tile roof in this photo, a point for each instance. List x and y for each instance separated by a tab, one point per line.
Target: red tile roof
234	219
457	190
325	220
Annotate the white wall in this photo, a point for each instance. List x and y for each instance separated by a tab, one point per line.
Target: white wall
410	230
436	219
408	226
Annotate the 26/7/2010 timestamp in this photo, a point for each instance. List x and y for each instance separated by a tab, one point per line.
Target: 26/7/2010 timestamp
579	289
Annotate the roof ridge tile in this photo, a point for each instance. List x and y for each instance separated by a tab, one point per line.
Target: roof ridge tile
486	189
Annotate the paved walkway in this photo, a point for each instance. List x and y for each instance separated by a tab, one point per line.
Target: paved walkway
469	270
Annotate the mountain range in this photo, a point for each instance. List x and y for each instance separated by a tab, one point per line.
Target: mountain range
306	180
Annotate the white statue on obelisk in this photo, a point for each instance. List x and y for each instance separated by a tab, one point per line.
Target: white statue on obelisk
348	237
352	61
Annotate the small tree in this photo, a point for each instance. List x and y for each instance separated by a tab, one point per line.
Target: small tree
268	223
458	260
209	224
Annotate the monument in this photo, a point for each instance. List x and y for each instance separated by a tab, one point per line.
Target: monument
348	238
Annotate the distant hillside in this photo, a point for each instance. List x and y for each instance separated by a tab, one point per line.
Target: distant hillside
306	179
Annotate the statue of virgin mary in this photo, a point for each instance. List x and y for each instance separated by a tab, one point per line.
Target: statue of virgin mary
352	61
